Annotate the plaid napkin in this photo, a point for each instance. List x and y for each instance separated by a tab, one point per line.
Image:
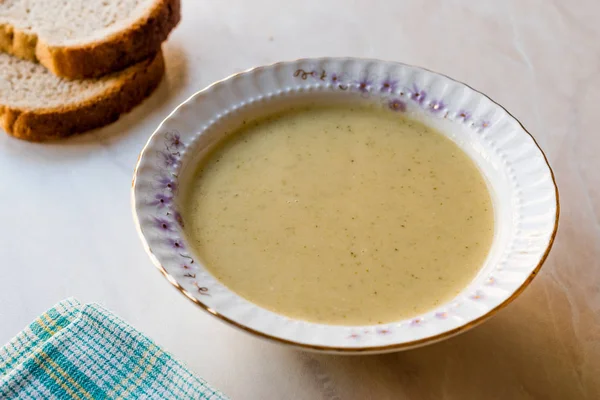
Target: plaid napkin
84	352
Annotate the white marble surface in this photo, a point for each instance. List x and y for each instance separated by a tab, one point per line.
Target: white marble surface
66	226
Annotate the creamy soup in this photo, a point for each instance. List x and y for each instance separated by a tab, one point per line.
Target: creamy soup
341	215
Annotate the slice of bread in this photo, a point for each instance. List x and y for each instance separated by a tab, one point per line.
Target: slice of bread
79	39
36	105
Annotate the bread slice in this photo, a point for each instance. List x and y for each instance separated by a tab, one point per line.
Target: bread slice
86	38
36	105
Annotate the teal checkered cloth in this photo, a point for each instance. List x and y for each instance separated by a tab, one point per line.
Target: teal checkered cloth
77	351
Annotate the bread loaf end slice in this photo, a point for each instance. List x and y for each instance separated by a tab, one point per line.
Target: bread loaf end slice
36	105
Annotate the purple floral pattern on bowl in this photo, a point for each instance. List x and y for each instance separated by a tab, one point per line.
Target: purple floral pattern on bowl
168	219
364	85
437	106
161	200
464	115
441	314
389	86
417	95
397	105
167	183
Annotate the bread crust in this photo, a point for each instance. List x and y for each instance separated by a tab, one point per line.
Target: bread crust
37	125
91	60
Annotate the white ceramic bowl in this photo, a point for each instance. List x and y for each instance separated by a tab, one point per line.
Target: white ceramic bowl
520	180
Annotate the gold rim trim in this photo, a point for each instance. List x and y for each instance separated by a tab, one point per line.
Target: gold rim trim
335	349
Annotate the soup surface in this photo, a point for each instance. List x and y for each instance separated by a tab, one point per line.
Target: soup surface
340	215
